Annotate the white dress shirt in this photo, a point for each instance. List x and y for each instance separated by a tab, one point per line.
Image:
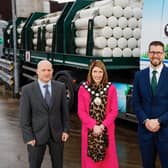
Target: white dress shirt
159	70
41	84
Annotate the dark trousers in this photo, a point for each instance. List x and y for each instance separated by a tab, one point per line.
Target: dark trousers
36	154
150	149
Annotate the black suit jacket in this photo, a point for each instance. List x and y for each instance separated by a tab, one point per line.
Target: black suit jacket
38	120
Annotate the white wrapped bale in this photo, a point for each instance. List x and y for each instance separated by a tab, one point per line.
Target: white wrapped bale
84	13
117	32
122	43
47	35
128	12
106	10
20	27
132	23
112	42
82	23
81	51
127	52
54	14
100	42
48	49
49	42
80	42
117	11
49	27
40	21
122	22
137	13
137	33
104	32
99	21
53	19
35	28
136	52
112	21
22	24
139	43
105	52
132	43
127	33
140	23
117	52
19	41
35	35
81	33
35	41
50	35
8	31
101	3
122	3
19	30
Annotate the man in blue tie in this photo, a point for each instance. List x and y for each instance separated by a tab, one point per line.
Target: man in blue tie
44	117
150	103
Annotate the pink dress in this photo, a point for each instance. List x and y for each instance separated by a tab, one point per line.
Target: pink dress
110	160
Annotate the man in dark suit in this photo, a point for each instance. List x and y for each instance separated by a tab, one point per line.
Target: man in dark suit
44	117
150	103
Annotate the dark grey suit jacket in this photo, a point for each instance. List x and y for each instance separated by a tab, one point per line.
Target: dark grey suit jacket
38	120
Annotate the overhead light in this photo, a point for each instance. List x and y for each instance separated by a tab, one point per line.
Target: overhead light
64	1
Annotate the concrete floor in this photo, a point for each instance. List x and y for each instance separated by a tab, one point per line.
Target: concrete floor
13	150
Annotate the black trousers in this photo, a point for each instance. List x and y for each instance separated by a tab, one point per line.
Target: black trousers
36	154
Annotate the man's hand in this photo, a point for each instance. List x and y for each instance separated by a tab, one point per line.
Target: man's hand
32	142
152	125
65	136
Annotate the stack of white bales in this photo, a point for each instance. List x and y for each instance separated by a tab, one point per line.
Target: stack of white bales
19	31
8	31
48	22
117	29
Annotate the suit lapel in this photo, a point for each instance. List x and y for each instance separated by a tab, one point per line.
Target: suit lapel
53	95
161	79
39	95
147	82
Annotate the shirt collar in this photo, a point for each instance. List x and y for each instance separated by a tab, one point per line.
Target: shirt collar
158	69
42	83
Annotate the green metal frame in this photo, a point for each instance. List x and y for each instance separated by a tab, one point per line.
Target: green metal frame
68	32
10	36
58	37
90	42
27	33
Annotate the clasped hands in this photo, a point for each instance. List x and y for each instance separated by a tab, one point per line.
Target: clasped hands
152	125
98	130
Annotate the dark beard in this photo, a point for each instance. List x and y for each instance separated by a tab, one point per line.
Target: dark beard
155	65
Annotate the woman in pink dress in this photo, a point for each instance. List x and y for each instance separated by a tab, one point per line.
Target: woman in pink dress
97	110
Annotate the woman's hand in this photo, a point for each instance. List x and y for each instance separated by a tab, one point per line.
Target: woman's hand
97	130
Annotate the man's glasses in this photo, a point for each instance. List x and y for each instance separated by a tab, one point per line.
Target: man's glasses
156	52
